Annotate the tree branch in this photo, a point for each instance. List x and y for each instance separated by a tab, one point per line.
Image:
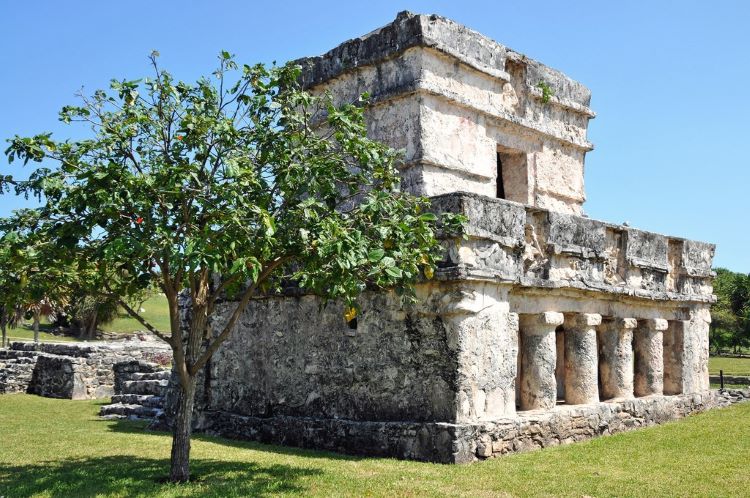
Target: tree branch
151	328
246	296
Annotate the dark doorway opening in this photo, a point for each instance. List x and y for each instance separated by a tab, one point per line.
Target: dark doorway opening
500	182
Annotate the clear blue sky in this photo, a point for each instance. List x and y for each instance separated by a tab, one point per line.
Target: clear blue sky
670	82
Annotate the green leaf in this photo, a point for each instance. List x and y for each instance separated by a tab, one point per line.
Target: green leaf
394	272
375	255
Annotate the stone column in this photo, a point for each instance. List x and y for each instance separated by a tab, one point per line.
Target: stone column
538	359
695	350
581	364
482	333
649	357
616	357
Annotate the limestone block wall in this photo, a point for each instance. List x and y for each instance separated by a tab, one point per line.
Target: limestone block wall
449	358
459	104
16	370
577	423
72	370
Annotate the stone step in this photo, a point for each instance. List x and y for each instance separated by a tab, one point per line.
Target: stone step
112	417
148	400
160	375
155	387
129	410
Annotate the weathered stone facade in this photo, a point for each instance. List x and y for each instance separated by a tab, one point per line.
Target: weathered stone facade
72	370
541	326
457	102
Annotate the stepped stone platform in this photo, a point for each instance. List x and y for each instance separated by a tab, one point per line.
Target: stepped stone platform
140	388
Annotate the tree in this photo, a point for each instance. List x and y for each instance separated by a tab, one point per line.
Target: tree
730	326
87	310
35	282
10	310
232	186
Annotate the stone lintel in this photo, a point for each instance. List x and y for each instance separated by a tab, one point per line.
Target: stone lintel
497	227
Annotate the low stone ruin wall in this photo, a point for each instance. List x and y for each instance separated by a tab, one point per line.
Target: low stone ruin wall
462	443
72	371
16	370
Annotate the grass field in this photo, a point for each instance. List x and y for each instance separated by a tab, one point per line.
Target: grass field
26	334
156	313
60	448
731	366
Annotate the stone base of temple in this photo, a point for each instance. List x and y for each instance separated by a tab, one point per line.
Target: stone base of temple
462	443
568	424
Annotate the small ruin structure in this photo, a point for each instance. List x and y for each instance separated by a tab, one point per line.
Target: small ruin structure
541	327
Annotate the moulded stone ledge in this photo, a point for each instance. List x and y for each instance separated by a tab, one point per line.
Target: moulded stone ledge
534	247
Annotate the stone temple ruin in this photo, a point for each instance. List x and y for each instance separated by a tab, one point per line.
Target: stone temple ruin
541	328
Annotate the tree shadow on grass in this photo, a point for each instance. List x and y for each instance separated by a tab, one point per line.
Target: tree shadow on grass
139	427
128	475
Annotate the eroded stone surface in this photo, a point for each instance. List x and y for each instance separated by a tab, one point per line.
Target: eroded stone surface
616	357
457	102
462	443
649	357
581	365
538	360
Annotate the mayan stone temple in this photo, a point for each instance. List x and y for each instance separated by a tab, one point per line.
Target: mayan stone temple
542	327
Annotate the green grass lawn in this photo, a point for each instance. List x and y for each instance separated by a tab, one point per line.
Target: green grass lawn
26	334
60	448
731	366
156	313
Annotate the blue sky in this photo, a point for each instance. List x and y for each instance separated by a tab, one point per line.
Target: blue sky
670	82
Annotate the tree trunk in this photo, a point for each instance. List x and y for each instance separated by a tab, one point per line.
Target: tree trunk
36	326
4	326
183	428
92	326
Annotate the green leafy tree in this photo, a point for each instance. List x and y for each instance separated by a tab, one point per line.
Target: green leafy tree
235	186
10	310
33	285
730	326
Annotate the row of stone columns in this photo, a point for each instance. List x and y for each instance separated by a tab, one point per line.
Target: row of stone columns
585	358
